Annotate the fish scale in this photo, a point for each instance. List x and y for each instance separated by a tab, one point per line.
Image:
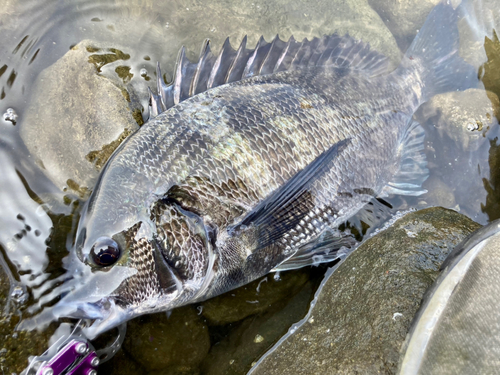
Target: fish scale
253	158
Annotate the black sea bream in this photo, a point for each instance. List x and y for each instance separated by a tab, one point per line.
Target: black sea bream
249	163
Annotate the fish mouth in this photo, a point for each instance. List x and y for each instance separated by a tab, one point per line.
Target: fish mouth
106	314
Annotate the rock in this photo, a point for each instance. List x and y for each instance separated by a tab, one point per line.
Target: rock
457	330
465	116
162	344
189	23
365	308
250	339
253	298
403	17
77	118
459	126
121	364
439	193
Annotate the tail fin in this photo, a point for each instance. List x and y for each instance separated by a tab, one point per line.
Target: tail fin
436	47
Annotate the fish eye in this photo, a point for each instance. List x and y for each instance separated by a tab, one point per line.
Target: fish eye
105	251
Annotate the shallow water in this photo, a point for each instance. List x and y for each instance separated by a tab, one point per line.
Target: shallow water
38	217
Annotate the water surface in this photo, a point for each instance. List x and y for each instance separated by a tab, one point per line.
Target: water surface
38	216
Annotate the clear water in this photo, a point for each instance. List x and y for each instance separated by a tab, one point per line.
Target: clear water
38	219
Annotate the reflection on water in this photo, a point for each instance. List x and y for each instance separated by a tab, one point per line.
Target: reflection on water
38	217
492	185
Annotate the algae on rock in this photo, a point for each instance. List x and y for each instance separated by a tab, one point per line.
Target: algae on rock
76	117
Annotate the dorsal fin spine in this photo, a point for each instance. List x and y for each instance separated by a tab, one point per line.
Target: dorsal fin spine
231	65
154	109
178	75
205	50
283	54
239	53
217	64
162	90
267	64
246	71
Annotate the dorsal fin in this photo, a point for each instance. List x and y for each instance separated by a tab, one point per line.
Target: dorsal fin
231	65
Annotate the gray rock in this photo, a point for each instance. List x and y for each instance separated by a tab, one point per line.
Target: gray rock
189	23
465	117
457	329
461	128
439	193
403	17
76	118
254	298
365	308
162	344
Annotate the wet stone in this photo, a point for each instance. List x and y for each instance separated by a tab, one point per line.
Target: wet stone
121	364
365	308
439	193
460	128
76	117
173	343
465	117
253	298
252	338
403	17
189	23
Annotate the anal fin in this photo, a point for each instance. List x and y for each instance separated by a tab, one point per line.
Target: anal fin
328	246
413	170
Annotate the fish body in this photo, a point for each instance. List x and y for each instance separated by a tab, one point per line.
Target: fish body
250	165
216	156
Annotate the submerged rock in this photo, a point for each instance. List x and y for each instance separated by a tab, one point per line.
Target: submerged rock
365	308
403	17
122	364
254	298
439	193
168	344
188	24
460	129
76	117
251	338
465	117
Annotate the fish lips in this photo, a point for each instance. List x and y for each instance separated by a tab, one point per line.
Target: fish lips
106	314
93	296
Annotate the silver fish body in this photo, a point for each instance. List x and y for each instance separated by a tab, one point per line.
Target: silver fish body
255	175
190	175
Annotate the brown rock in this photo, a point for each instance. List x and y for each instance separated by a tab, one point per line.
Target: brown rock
253	298
162	344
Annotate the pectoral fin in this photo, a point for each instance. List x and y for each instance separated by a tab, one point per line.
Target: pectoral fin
413	170
330	245
288	205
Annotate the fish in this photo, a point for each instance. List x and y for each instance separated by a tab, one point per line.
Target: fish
250	162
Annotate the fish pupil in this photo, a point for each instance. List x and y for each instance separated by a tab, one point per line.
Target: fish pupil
105	252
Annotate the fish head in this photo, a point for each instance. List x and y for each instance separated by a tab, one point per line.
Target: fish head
135	253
